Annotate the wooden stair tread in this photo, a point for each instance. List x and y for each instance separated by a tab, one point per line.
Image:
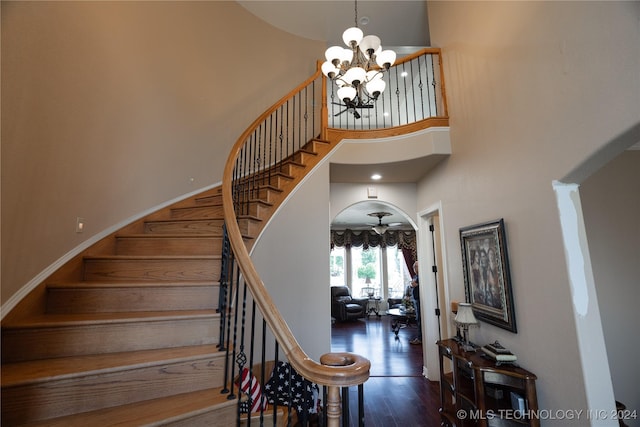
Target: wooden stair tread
261	201
200	205
130	284
150	257
249	217
149	413
168	236
63	320
221	219
29	372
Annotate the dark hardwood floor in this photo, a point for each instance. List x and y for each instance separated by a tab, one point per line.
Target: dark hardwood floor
396	394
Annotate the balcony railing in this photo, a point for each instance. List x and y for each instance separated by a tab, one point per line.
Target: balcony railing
253	331
414	92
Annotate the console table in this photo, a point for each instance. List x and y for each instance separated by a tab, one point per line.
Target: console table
476	392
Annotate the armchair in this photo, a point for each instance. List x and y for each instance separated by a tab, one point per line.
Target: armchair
344	307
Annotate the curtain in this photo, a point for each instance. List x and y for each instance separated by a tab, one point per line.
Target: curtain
405	240
409	259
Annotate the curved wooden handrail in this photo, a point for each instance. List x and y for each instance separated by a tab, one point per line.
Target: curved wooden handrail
345	369
334	369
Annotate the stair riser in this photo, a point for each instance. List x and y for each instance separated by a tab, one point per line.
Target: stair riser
168	245
103	390
269	195
212	226
259	210
249	227
128	299
198	212
63	341
209	200
304	158
152	270
277	181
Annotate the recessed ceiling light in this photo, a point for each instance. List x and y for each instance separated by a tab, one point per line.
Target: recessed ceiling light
376	176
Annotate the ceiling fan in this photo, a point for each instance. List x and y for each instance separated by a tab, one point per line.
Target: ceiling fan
380	228
351	105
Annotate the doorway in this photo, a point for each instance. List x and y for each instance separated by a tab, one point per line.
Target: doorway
436	318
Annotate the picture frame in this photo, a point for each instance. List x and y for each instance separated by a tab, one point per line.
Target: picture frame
486	273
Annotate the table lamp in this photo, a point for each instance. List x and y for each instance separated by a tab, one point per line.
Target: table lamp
465	318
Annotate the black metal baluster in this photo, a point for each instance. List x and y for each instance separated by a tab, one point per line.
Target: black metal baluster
434	84
276	355
345	406
361	405
263	361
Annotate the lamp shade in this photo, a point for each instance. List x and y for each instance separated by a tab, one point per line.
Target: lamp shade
386	58
376	86
346	92
352	35
369	45
355	75
380	229
329	70
334	54
465	314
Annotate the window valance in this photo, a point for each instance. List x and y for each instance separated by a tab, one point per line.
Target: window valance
365	238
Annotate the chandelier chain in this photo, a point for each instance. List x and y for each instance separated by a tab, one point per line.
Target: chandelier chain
356	12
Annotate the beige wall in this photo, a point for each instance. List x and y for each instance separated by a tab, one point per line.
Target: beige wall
611	207
112	108
534	89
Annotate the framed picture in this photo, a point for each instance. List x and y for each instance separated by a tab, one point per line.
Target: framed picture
486	273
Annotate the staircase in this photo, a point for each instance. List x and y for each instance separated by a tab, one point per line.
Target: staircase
128	333
130	330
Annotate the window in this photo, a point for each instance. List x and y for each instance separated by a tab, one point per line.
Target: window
383	269
337	266
366	271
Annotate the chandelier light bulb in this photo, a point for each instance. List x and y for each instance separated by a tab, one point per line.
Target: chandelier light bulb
329	70
333	54
375	87
386	59
346	93
352	36
354	76
369	45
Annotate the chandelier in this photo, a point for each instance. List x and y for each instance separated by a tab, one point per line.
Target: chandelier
357	70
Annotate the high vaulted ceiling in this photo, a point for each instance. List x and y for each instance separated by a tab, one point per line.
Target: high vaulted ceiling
397	23
401	26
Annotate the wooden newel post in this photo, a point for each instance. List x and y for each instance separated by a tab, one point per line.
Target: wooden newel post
334	406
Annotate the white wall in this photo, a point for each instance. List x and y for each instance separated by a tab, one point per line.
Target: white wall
611	209
527	107
401	196
297	239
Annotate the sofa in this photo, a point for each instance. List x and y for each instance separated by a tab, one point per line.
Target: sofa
344	306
